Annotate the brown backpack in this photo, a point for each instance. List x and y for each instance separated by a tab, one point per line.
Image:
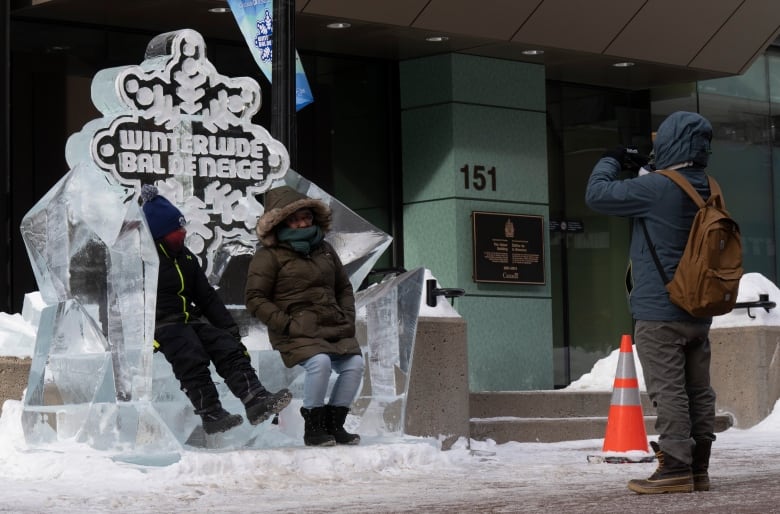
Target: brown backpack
706	281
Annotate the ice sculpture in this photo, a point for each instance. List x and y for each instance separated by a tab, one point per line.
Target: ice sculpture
86	244
387	320
96	269
173	121
71	393
176	122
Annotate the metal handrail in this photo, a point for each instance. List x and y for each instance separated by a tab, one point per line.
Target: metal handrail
432	292
763	302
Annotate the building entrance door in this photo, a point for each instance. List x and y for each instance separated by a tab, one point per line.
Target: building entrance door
588	264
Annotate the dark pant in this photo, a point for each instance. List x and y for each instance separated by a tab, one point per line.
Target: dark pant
191	347
675	357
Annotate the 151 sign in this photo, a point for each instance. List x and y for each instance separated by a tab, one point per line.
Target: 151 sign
479	177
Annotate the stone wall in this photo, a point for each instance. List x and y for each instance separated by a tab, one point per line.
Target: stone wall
745	372
13	378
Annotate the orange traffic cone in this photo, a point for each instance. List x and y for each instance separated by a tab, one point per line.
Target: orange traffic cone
626	422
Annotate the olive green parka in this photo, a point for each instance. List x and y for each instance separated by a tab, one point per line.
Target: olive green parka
306	302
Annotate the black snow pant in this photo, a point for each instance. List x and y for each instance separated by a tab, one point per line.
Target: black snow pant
191	347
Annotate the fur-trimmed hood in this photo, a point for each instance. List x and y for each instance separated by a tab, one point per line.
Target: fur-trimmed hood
282	201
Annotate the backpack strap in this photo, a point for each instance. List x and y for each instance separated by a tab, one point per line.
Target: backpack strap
715	192
716	196
656	260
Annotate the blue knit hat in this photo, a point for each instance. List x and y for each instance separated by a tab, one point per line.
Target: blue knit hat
161	215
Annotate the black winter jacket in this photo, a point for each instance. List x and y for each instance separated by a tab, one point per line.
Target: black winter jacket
184	295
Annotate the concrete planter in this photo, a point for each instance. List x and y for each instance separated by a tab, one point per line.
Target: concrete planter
745	372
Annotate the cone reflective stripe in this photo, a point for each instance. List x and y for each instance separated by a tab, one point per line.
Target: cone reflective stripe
626	421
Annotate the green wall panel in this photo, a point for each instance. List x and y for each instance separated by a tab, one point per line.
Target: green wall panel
438	236
429	240
443	145
474	139
510	141
509	326
428	153
509	343
471	79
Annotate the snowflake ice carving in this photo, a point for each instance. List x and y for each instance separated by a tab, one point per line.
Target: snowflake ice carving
175	122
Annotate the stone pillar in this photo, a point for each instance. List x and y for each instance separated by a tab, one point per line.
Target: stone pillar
474	139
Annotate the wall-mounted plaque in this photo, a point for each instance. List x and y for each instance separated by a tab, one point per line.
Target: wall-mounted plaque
508	248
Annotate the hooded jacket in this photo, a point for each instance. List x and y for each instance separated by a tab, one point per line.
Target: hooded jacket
682	142
184	295
306	302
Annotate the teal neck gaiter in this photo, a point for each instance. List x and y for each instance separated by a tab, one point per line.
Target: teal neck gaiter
301	239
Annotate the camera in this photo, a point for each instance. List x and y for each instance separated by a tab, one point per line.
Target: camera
633	160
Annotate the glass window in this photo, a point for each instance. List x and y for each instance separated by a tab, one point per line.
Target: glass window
347	137
742	118
588	268
773	66
741	161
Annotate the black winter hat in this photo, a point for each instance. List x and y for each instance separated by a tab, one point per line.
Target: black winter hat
161	215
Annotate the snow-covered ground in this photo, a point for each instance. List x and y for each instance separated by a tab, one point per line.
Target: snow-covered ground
405	474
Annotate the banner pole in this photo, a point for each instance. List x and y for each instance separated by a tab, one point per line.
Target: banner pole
5	159
283	77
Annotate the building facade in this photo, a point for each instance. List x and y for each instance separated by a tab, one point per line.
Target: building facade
426	141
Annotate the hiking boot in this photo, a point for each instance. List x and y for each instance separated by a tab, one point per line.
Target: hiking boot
700	465
263	405
315	433
334	425
216	419
671	476
701	481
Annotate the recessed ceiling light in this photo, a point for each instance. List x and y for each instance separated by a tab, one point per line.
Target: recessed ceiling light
533	52
339	25
437	39
219	9
624	64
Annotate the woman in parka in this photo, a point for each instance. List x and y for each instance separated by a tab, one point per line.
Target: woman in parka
297	286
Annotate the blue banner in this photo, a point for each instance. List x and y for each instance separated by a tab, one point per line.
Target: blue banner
255	19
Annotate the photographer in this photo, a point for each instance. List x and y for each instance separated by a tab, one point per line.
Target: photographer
672	345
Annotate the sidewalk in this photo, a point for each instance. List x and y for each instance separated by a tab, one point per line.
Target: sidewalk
743	481
381	475
377	477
